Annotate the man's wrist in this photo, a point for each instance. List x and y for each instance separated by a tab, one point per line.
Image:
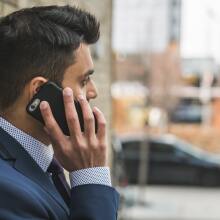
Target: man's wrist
94	175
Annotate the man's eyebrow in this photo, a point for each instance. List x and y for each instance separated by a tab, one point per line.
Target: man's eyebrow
89	72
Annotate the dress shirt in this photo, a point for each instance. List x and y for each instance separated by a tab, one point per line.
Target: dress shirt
43	155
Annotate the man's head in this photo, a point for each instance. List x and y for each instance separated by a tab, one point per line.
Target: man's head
45	43
41	41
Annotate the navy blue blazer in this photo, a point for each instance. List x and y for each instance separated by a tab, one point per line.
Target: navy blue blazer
26	192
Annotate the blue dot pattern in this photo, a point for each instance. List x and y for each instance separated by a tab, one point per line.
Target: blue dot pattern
43	155
94	175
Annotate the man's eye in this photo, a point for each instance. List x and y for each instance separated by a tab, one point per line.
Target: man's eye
85	81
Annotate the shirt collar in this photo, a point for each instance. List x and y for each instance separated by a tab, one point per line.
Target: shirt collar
41	153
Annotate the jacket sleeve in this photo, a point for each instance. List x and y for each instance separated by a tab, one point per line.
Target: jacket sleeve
94	202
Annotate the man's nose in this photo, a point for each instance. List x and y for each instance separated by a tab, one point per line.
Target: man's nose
91	91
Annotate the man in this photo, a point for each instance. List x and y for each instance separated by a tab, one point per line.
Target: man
51	44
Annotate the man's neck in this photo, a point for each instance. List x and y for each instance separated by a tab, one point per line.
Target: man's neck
27	124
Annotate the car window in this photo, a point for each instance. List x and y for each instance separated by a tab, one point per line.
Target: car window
161	148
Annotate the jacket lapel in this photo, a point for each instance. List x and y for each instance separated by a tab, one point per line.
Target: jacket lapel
11	150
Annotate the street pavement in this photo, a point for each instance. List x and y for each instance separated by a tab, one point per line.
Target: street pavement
169	203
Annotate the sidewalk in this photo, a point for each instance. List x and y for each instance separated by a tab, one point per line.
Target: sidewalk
171	203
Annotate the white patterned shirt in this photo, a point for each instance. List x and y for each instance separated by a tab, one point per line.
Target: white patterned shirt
43	155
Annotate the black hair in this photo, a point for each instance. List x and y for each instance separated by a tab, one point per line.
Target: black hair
40	41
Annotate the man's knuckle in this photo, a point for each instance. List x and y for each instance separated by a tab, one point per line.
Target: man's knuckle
93	145
80	144
102	146
78	140
49	125
71	118
103	124
67	151
89	119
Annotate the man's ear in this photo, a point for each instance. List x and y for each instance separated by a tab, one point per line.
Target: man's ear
35	84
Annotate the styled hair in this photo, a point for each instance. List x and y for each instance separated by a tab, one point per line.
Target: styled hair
40	41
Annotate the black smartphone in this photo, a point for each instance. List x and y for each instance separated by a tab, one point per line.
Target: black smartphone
53	94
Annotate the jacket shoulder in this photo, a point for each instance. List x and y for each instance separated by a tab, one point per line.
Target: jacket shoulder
17	196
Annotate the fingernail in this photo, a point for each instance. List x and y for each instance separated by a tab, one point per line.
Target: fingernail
67	91
96	109
43	105
80	97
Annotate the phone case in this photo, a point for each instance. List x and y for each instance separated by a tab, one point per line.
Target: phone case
52	93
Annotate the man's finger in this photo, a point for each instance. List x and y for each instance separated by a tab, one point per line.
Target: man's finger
89	121
101	124
51	125
71	114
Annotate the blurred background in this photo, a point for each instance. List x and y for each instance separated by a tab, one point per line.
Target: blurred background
158	74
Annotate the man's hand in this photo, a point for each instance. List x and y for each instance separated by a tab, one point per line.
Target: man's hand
80	150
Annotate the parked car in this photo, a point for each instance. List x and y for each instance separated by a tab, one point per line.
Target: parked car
170	161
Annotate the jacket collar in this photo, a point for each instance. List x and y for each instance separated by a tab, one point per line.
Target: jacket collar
11	150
